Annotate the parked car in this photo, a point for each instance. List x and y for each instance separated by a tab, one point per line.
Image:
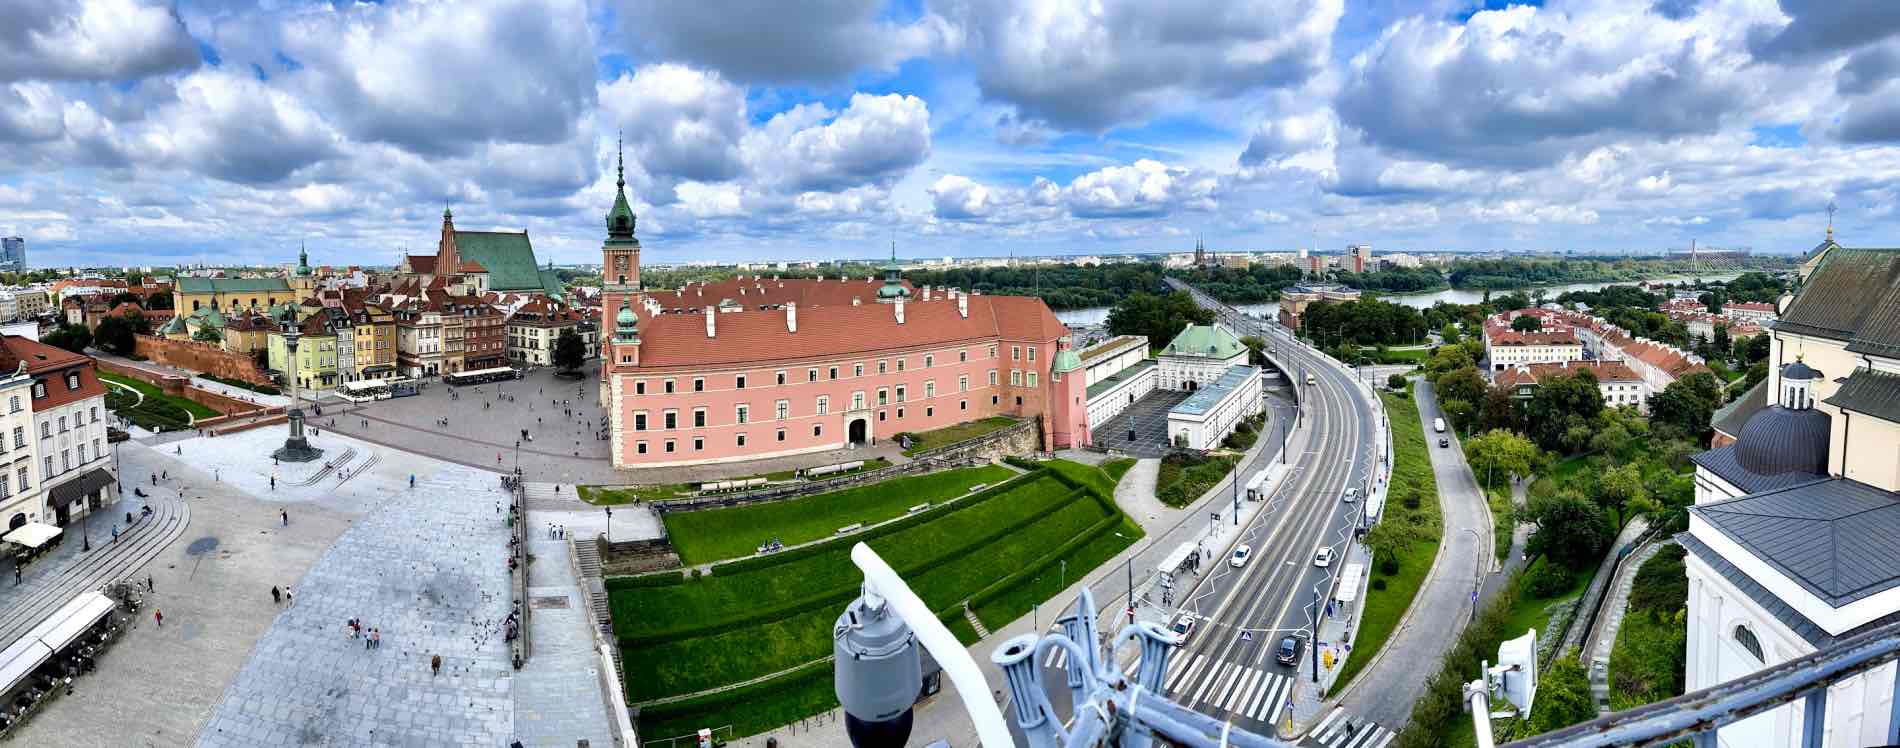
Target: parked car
1324	557
1352	495
1443	442
1241	554
1182	626
1289	652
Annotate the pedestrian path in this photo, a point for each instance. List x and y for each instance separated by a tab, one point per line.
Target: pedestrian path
26	605
1342	730
1227	690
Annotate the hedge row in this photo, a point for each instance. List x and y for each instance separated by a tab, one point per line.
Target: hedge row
998	587
708	702
838	596
654	579
751	563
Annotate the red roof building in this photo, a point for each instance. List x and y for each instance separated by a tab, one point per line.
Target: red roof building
69	458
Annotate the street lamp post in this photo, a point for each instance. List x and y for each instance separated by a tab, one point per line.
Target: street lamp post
1236	482
1314	643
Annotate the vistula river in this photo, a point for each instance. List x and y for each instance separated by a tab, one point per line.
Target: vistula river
1099	314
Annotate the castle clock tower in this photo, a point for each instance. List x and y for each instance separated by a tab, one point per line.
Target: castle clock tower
620	255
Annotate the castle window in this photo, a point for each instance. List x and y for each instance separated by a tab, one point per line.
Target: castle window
699	418
930	359
883	396
699	384
1747	639
669	387
811	375
883	367
857	370
739	382
781	377
781	434
784	409
963	355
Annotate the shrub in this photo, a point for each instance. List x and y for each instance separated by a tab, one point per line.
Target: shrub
1549	580
1411	500
1396	381
1378	583
1388	566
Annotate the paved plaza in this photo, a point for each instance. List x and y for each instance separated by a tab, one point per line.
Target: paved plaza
426	566
1149	419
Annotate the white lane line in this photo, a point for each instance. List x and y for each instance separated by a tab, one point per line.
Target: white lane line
1251	707
1181	672
1389	735
1270	710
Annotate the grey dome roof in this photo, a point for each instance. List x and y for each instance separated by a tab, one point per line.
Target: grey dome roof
1800	371
1780	440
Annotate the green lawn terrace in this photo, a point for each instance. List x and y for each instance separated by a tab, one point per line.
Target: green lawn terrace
999	551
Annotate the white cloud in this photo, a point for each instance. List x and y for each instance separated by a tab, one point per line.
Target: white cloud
91	40
875	139
777	42
680	123
958	197
1094	64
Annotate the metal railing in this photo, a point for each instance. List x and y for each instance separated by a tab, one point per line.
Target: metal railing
1697	715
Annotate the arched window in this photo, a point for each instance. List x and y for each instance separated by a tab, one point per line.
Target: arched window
1748	641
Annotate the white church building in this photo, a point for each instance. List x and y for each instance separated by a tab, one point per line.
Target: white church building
1794	541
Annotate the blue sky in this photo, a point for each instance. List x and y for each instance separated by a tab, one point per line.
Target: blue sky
138	131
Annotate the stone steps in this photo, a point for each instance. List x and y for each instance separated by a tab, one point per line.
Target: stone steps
976	623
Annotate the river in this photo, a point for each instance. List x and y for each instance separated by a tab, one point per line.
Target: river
1269	310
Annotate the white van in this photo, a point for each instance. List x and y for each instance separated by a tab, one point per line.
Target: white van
1438	425
1310	379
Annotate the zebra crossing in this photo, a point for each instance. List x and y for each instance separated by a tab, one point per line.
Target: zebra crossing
1216	686
1339	731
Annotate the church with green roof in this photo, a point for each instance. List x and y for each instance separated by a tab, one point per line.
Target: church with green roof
500	261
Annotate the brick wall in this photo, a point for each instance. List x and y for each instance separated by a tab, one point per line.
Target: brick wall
177	386
200	357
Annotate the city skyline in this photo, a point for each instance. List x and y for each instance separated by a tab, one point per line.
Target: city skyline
205	132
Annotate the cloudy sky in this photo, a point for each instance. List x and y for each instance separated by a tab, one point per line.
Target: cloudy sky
136	131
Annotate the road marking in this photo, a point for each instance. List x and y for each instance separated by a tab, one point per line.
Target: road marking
1330	716
1213	674
1279	698
1185	675
1242	690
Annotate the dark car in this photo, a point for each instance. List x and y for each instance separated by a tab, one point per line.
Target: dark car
1289	652
1443	442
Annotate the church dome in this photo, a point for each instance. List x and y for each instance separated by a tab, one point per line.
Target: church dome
1780	440
1799	371
625	318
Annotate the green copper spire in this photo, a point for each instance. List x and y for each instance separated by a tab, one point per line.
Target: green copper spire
303	260
625	324
620	220
893	278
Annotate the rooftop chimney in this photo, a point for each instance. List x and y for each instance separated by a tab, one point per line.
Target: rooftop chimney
856	301
791	316
963	306
711	317
900	310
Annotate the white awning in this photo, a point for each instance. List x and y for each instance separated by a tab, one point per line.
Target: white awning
1349	582
19	661
71	620
32	534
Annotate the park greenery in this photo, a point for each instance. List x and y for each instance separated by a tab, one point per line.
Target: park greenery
1405	539
1158	316
569	351
75	338
1059	286
155	411
1185	476
1365	322
1250	285
1525	272
998	552
1648	662
1395	280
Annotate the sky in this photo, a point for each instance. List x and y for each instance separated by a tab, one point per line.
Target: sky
140	132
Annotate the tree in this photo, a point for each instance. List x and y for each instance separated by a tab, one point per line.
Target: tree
1723	345
115	334
1563	698
1449	333
1527	323
1563	408
569	351
1570	529
1447	358
208	334
75	338
1498	455
1499	410
1391	537
158	300
1621	488
1255	345
124	297
1160	318
1459	411
1396	381
1465	385
1687	404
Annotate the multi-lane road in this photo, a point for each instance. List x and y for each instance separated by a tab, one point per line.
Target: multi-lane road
1228	668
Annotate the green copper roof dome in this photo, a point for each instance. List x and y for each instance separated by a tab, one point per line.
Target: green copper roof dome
625	323
303	261
893	279
1066	361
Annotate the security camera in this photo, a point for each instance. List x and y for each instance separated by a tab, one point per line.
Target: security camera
877	673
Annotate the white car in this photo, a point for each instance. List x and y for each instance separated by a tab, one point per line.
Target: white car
1324	557
1241	554
1352	495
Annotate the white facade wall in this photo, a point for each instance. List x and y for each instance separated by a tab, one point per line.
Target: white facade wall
1207	430
20	494
1507	356
1178	371
1111	402
69	440
1106	365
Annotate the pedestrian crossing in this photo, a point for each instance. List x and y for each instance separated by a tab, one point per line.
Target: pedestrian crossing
1339	730
1210	686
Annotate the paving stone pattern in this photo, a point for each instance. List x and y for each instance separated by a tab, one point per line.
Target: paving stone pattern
428	568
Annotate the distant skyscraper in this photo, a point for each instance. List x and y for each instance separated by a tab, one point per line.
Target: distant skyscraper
12	254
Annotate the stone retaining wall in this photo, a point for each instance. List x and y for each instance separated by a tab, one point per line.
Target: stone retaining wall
200	357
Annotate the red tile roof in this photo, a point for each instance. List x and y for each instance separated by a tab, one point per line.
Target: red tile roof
753	291
424	264
1605	371
48	363
754	336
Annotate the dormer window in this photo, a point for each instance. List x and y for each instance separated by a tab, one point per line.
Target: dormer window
72	380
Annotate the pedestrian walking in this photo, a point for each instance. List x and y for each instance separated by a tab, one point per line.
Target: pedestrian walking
376	638
155	479
149	587
290	598
369	641
115	533
273	483
16	575
159	616
283	512
435	665
276	596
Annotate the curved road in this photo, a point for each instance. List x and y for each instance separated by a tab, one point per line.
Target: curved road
1227	668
